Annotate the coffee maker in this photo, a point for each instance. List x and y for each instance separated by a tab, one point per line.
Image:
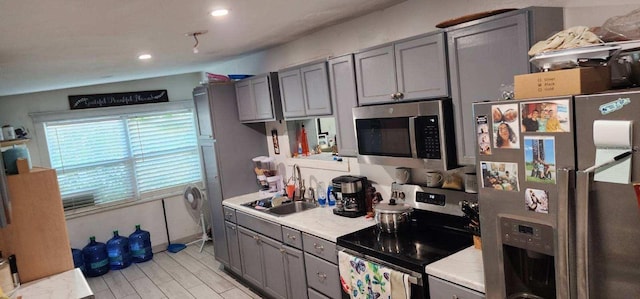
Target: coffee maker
349	192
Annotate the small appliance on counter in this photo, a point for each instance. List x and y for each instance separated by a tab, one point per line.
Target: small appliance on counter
266	174
349	192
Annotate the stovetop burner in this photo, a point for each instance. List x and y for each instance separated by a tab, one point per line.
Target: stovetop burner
412	249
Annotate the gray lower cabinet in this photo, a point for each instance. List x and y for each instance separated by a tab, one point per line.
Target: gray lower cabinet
275	280
250	255
277	269
305	91
322	276
295	274
442	289
313	294
235	263
258	98
410	69
344	96
484	55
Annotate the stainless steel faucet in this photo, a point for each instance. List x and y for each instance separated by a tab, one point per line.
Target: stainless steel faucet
299	193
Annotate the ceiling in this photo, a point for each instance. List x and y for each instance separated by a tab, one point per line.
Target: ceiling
54	44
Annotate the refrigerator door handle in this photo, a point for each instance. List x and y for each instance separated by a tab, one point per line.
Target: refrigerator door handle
565	236
583	187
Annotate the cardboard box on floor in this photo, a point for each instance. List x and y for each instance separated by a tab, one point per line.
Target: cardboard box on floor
575	81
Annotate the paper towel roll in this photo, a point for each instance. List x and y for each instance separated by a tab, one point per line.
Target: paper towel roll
612	134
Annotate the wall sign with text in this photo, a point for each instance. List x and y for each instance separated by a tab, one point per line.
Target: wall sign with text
117	99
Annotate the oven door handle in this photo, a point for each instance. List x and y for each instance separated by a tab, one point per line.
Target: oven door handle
414	277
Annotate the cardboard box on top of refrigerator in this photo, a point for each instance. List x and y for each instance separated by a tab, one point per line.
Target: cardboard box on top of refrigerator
575	81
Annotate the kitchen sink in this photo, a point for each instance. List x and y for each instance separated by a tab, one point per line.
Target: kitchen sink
290	208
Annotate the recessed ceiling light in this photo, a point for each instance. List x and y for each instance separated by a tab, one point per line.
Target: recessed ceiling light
219	12
144	56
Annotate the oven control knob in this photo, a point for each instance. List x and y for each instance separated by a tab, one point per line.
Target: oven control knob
394	194
401	195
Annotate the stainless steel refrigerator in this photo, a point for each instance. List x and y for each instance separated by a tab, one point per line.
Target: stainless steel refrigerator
227	147
550	229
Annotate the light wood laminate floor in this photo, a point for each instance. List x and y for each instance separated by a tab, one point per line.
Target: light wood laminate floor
183	275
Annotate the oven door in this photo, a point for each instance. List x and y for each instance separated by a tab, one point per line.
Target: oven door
418	282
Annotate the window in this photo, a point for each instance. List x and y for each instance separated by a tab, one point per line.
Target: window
106	159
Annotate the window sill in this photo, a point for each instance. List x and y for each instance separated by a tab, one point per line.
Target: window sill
154	196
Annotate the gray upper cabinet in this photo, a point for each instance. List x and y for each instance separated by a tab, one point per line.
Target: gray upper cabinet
487	53
292	95
259	98
421	67
201	101
410	69
342	82
247	109
262	96
316	89
375	73
305	91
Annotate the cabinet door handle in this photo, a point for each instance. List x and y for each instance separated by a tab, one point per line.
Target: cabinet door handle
318	247
454	297
291	237
282	250
399	95
321	276
232	227
229	215
393	96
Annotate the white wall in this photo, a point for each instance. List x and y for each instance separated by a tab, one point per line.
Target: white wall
15	110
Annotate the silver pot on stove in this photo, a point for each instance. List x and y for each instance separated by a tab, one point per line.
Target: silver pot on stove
392	217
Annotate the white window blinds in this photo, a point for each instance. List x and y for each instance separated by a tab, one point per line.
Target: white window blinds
108	159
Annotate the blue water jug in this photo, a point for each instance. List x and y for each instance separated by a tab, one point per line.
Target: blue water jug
119	253
96	260
78	262
140	244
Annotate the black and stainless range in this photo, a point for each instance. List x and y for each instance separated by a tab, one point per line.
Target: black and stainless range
437	229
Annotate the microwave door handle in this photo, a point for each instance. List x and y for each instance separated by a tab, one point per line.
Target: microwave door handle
583	188
412	136
565	239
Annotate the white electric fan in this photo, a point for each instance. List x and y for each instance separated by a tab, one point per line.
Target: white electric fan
195	201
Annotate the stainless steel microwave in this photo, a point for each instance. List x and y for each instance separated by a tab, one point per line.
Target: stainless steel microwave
415	135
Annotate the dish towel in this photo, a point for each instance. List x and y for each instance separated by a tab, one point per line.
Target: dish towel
364	279
400	285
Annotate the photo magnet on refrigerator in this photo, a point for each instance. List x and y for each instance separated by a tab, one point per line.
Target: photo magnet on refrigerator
505	126
500	175
540	159
482	131
545	116
536	200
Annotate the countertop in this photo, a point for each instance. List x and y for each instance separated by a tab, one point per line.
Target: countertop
66	285
320	221
463	267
